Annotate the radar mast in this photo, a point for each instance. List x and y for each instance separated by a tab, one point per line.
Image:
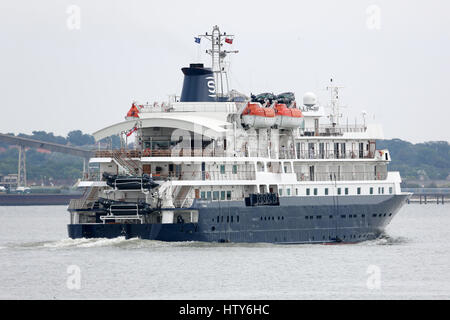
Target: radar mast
218	55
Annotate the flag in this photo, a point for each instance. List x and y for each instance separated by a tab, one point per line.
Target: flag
229	40
131	131
197	40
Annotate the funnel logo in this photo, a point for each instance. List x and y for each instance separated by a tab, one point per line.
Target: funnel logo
211	87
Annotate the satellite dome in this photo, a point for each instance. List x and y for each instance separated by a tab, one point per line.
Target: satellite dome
309	99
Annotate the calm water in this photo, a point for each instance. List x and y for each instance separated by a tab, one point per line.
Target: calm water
411	262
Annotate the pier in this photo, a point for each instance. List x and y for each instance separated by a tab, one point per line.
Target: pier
428	195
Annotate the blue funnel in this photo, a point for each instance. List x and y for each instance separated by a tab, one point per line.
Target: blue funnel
198	85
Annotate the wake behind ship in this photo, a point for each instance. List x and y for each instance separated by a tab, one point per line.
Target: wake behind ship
217	165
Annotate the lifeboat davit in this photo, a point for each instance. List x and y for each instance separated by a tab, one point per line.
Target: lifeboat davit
287	118
255	116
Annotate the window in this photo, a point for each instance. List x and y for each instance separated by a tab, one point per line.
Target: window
390	190
339	191
208	195
326	191
343	216
222	195
288	191
371	190
228	195
222	169
237	218
231	219
202	195
296	191
315	191
358	191
234	169
215	195
307	191
281	192
217	218
228	219
346	190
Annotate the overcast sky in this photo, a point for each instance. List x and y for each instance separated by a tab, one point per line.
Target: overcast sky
393	57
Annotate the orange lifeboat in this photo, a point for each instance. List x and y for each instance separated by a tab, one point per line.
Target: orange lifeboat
133	113
287	118
255	116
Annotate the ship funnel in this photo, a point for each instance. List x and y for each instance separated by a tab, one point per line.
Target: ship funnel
198	85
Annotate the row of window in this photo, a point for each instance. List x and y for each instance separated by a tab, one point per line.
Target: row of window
271	218
229	219
215	195
340	191
343	216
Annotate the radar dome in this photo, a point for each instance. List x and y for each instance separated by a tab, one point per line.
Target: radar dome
309	99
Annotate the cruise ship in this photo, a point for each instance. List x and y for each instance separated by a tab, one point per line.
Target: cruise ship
217	165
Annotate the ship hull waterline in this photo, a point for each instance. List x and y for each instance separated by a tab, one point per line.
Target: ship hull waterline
296	220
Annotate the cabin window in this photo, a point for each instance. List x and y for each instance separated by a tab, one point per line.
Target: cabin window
326	191
216	195
222	195
288	191
296	191
371	190
390	190
339	190
234	169
228	195
281	191
358	191
307	191
208	195
202	195
231	219
346	190
237	218
315	191
222	169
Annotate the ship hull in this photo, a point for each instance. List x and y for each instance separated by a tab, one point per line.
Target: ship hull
295	220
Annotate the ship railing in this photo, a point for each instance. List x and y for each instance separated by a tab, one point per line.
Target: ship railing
206	175
329	130
343	176
183	152
329	155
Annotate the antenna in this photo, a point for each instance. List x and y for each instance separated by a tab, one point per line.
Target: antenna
218	55
334	103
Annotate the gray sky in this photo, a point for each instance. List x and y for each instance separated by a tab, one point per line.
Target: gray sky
395	65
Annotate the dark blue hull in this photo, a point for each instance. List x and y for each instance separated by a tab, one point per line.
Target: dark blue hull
295	220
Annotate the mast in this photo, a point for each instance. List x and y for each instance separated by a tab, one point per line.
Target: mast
334	104
218	55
